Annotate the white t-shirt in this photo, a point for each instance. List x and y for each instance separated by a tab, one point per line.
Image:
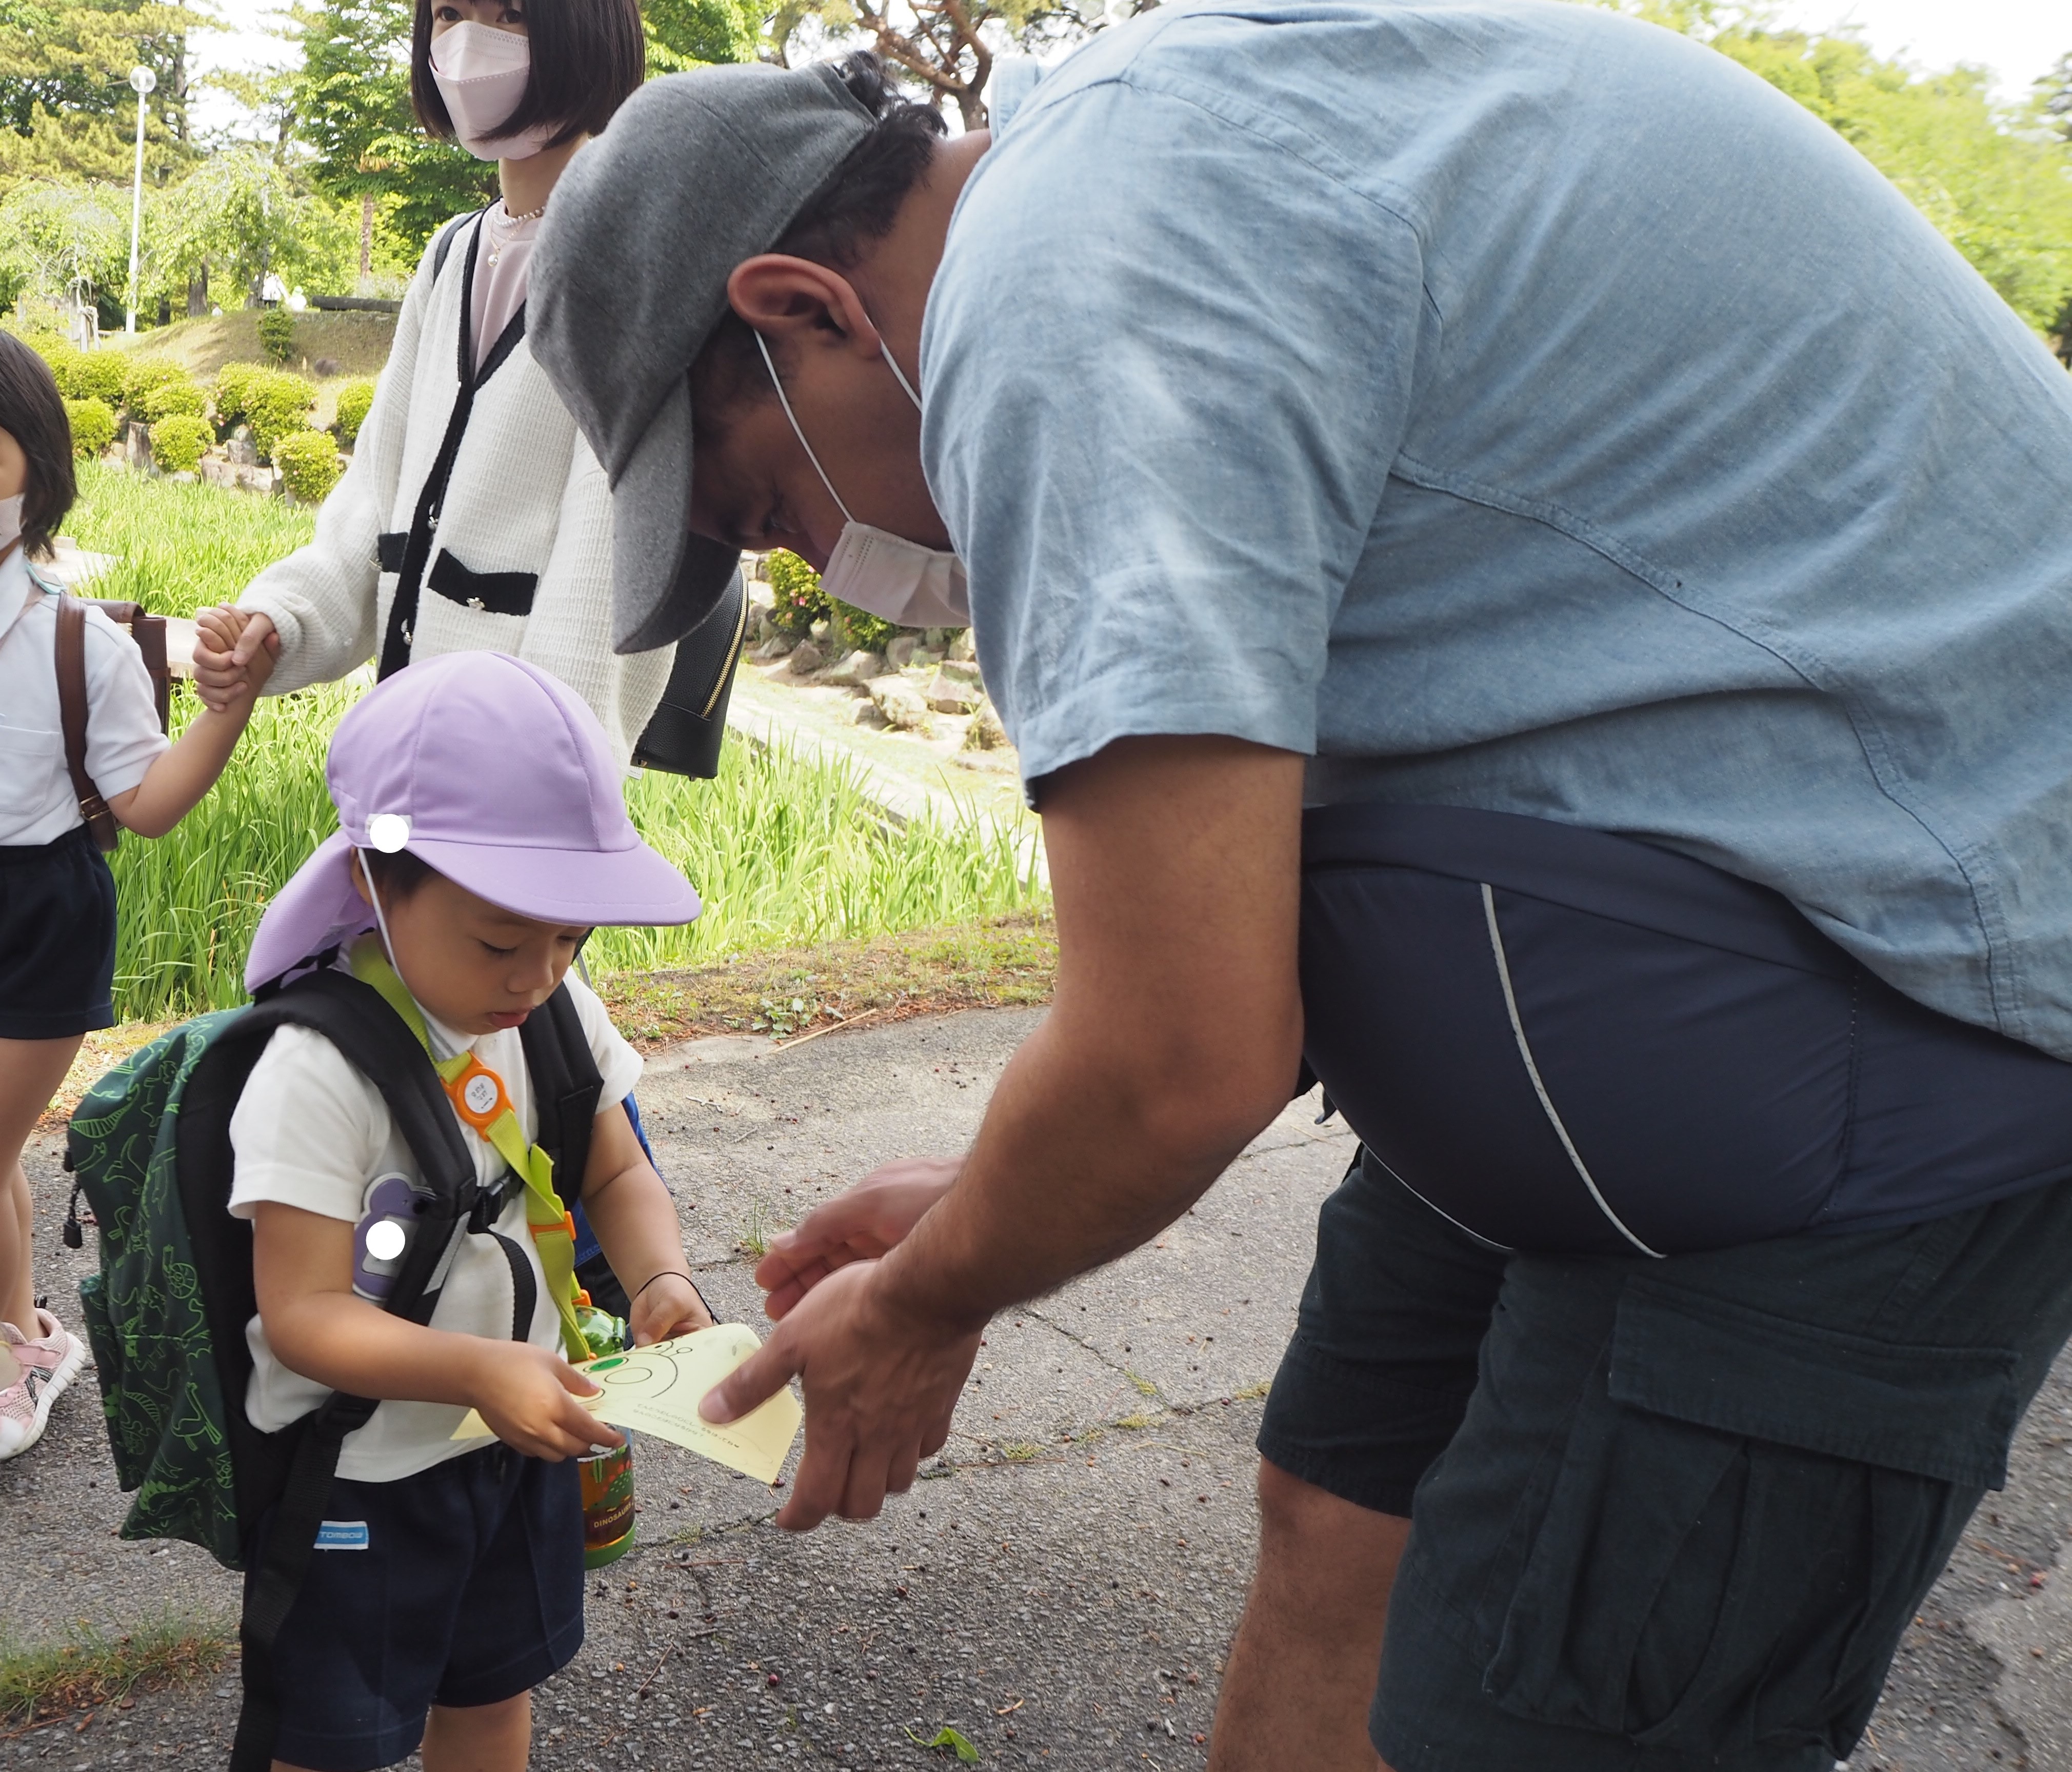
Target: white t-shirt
310	1131
37	804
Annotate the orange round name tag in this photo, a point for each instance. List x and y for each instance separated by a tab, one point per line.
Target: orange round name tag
478	1093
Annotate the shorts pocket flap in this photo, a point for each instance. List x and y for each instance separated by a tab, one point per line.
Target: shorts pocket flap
1943	1413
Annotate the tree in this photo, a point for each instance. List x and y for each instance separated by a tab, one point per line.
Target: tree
351	107
243	213
684	34
63	242
65	98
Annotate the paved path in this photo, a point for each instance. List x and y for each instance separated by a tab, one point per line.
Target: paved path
1063	1585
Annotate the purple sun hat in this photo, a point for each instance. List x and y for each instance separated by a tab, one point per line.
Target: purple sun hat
496	775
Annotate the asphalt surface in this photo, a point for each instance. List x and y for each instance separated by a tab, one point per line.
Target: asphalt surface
1062	1586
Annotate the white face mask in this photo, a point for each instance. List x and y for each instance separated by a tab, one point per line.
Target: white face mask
874	570
482	73
10	520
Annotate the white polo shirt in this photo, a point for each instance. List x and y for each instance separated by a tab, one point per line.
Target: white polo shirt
37	804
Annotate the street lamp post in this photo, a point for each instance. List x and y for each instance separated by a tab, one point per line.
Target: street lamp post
142	79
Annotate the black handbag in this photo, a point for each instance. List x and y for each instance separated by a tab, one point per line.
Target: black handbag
684	737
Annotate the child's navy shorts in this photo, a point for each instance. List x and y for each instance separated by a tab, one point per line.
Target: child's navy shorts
459	1585
57	938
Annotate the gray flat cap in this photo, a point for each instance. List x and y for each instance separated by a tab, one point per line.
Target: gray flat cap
697	172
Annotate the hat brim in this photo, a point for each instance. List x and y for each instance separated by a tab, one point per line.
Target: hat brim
318	908
585	888
665	580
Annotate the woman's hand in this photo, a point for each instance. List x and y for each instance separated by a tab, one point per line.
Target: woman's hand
860	1225
528	1396
668	1305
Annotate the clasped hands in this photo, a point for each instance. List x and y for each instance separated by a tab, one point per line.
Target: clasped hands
228	641
882	1382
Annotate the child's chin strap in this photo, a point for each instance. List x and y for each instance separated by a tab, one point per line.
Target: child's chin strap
480	1098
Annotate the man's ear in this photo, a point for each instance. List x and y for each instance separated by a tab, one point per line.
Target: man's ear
795	299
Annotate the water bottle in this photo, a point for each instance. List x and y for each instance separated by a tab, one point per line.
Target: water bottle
606	1477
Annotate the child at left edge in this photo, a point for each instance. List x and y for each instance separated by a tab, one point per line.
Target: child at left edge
483	834
57	896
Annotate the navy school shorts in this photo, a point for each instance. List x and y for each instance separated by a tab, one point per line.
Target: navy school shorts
461	1585
57	938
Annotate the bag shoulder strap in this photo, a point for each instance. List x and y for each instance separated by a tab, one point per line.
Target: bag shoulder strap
566	1085
445	240
71	721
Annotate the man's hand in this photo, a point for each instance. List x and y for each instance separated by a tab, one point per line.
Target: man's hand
229	644
668	1307
1174	1037
528	1396
881	1385
860	1225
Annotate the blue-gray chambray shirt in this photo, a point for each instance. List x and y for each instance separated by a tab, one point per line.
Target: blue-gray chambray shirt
1517	406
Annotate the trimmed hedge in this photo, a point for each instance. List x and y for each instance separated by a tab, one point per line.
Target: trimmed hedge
797	599
140	376
308	462
354	399
86	375
233	380
277	334
179	442
271	401
92	423
183	398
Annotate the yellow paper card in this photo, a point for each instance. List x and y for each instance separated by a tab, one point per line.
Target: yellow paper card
657	1390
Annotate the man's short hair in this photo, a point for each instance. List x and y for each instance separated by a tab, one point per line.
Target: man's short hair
588	57
855	207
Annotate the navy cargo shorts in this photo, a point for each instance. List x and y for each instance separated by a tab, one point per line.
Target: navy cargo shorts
1686	1296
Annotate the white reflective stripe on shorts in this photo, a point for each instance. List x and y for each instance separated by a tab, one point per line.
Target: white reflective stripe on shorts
1532	1070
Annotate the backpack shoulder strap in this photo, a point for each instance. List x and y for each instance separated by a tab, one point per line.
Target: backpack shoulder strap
565	1087
71	720
445	240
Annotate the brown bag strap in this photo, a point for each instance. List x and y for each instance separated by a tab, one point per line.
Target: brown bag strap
71	721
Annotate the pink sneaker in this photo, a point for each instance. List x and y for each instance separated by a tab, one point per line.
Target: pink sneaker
49	1363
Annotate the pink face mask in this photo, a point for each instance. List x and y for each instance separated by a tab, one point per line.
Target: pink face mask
481	72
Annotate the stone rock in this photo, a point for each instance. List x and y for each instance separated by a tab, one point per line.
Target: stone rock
324	368
866	715
806	658
923	658
241	450
946	695
137	450
899	649
958	670
962	647
820	630
857	669
986	732
776	647
903	706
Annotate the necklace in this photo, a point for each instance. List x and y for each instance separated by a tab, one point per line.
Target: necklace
496	251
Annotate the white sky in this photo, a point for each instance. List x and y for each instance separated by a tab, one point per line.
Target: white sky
2017	39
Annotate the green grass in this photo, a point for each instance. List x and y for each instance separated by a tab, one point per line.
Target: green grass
783	850
177	547
93	1667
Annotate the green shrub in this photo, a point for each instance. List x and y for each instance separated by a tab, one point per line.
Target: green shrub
87	375
309	464
179	440
142	375
277	334
92	426
233	384
276	404
797	600
182	398
354	399
857	629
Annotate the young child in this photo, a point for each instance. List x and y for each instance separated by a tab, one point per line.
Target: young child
57	896
482	835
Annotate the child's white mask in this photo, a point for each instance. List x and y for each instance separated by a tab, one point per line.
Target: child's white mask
482	74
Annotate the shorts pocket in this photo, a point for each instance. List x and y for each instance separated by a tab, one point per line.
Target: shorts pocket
1741	1525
